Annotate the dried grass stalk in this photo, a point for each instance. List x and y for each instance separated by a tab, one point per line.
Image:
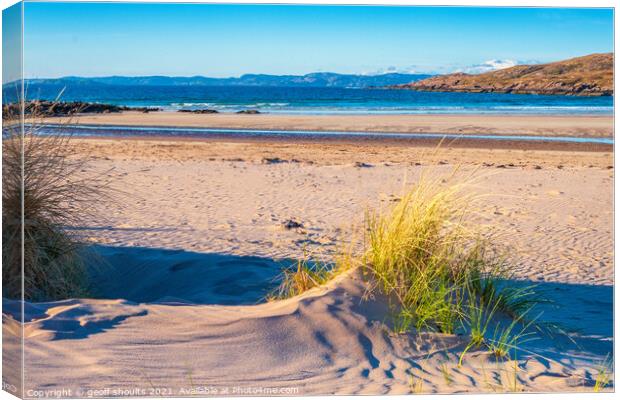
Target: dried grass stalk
60	190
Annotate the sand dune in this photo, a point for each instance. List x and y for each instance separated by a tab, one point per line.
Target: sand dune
330	340
198	243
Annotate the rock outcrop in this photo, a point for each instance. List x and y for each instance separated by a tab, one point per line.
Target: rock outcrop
43	108
248	112
200	111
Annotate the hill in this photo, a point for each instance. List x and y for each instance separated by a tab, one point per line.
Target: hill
317	79
590	75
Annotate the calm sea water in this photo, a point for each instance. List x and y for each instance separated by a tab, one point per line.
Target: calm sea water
138	131
292	100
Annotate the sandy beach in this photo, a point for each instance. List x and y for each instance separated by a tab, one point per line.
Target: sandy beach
196	241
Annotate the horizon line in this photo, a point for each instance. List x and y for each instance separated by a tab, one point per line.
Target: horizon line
232	76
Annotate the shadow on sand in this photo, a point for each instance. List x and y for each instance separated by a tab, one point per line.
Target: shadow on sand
146	275
130	275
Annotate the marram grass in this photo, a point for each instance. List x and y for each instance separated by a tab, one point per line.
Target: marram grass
423	253
47	187
428	255
309	272
304	275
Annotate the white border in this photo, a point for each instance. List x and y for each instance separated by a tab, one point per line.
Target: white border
486	3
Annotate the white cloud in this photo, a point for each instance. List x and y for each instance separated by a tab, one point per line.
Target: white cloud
412	69
486	66
491	65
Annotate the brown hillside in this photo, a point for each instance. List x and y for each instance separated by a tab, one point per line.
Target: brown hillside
590	75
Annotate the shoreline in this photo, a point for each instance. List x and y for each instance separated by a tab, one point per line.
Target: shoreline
376	142
459	124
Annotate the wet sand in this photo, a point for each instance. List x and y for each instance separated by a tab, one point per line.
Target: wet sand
551	125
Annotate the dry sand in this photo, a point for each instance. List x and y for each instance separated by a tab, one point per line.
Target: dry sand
199	239
548	125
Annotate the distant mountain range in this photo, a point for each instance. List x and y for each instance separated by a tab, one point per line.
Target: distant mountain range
318	79
591	75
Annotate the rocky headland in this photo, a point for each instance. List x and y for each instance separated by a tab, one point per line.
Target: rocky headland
590	75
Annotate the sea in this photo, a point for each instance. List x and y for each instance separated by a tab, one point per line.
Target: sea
320	100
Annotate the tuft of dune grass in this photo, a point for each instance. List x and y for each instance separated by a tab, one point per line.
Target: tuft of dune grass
309	272
300	277
47	188
421	253
440	269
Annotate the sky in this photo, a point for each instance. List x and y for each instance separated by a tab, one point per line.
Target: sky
101	39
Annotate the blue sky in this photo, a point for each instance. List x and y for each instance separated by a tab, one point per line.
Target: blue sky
98	39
